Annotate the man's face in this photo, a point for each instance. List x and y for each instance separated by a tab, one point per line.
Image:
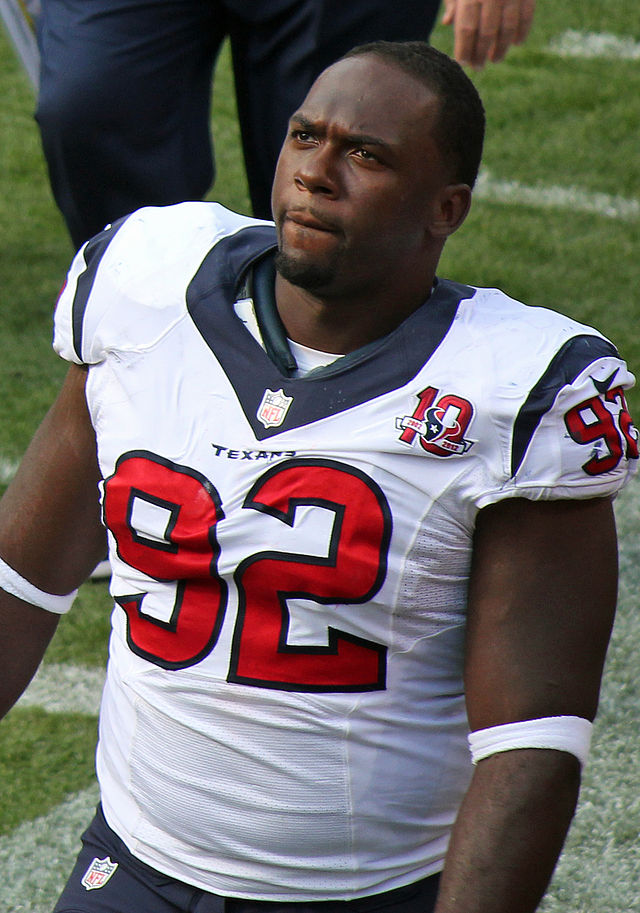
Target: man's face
357	178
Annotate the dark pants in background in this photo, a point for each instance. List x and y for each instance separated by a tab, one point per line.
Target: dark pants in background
124	102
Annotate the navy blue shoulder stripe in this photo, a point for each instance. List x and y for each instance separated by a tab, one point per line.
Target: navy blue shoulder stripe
568	362
93	254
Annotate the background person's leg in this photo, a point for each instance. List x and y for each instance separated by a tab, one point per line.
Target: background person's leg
124	104
280	46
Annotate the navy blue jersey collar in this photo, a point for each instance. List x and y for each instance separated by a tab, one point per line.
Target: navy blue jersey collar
377	368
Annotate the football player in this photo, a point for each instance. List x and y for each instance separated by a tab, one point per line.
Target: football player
359	518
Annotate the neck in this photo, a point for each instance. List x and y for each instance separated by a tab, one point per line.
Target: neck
341	325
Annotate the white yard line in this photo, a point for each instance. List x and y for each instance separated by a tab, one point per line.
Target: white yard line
20	28
573	43
8	469
65	689
37	858
556	197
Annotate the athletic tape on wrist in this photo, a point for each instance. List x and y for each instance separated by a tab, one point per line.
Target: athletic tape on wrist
12	582
563	733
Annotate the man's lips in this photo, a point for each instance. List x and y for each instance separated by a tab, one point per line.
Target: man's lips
306	219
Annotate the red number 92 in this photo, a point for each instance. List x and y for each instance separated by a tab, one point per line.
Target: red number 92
164	516
592	421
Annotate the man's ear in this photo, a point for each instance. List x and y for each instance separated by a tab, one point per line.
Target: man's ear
450	210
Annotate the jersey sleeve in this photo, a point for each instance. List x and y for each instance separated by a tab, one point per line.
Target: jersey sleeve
573	436
88	279
127	285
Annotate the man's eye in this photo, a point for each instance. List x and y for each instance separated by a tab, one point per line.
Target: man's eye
365	155
302	136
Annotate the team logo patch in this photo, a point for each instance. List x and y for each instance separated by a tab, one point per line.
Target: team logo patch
98	873
273	408
439	423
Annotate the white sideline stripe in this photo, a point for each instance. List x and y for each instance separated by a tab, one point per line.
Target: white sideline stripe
20	28
37	857
8	469
556	197
65	689
573	43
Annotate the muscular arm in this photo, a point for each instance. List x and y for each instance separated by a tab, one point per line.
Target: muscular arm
541	606
50	530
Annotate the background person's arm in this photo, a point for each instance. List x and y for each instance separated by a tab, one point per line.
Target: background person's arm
484	30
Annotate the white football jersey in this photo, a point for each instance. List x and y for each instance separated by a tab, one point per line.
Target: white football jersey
284	715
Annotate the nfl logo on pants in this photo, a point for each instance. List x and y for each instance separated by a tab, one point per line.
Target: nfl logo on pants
98	873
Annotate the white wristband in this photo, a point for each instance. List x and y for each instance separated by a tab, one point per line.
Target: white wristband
12	582
564	733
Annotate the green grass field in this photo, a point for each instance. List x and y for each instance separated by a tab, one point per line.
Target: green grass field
556	223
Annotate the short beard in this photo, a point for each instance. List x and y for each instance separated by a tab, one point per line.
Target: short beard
306	275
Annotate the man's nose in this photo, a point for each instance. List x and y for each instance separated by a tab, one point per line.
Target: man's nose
317	171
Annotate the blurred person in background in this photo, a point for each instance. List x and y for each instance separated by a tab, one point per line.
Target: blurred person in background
125	85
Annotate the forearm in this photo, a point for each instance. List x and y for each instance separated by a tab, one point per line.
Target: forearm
50	534
509	833
25	632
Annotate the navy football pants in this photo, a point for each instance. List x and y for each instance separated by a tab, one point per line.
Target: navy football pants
136	888
125	89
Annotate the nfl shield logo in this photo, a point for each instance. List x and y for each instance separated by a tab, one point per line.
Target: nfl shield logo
98	873
273	408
